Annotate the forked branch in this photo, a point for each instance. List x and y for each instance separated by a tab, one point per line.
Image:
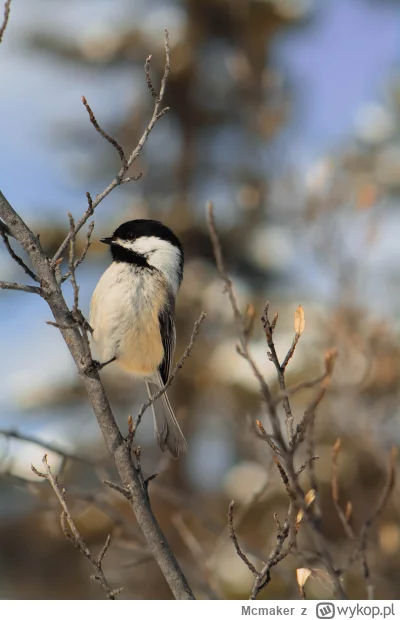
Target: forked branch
72	534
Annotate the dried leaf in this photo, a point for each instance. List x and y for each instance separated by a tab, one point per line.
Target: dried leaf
310	497
348	511
337	446
299	517
299	320
302	574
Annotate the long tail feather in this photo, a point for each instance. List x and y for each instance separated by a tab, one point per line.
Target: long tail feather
167	431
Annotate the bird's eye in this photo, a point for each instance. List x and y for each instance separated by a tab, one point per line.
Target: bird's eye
130	236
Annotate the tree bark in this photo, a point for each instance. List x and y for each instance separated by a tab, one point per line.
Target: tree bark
130	479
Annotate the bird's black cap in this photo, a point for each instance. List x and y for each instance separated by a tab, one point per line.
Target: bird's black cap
144	228
135	229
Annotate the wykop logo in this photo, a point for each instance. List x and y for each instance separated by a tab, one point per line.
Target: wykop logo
325	610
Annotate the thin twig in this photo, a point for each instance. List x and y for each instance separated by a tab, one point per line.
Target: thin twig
17	258
74	339
335	491
305	464
298	499
220	264
290	353
72	244
60	325
308	416
235	541
280	370
277	555
158	112
298	388
196	552
82	257
240	516
262	434
12	434
105	135
3	26
179	365
77	315
148	78
71	532
86	246
362	539
387	491
117	487
243	350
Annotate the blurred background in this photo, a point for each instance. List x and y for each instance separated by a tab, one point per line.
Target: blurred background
286	114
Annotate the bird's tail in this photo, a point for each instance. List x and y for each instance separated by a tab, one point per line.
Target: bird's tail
167	431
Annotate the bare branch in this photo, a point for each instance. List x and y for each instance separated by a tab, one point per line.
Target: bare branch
3	26
288	530
167	67
277	555
212	229
16	258
233	536
148	78
309	414
72	243
179	365
105	135
11	434
87	245
14	286
362	540
197	553
72	534
158	112
290	353
117	487
276	441
243	350
104	550
335	491
304	465
59	325
387	491
82	257
262	434
280	370
74	339
299	388
240	516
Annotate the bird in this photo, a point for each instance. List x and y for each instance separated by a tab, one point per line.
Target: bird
132	314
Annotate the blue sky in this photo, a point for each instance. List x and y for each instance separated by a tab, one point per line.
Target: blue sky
336	64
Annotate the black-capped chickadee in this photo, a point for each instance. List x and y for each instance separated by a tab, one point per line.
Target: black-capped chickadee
132	313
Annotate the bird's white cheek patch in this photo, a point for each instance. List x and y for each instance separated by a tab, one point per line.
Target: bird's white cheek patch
162	255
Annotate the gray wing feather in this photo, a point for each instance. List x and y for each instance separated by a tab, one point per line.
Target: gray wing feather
168	337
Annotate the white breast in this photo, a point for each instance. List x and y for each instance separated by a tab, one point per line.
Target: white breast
124	318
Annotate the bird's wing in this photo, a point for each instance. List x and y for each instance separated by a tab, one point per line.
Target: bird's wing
168	337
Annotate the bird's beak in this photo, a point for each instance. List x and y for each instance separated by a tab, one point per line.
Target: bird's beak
107	240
